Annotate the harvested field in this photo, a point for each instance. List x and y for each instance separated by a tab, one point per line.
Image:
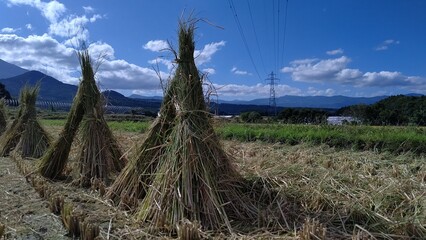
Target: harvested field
23	212
327	192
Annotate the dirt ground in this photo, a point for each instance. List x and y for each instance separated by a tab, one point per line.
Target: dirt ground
22	211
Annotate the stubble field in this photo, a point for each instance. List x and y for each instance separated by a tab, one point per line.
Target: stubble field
316	190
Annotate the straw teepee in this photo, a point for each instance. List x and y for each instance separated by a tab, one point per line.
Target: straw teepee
181	171
132	182
99	151
25	135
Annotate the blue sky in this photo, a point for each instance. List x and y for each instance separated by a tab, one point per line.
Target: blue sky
333	47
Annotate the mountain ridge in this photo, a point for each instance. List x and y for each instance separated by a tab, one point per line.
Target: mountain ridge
55	90
337	101
50	88
8	70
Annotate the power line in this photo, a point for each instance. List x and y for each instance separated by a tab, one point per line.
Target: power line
240	29
285	30
255	35
279	34
274	35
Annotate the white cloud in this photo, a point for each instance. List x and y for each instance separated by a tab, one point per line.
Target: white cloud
9	30
236	91
314	70
95	17
88	9
386	44
148	92
41	53
386	78
320	92
209	71
72	26
102	50
51	10
29	26
336	71
347	75
335	52
120	74
201	56
156	45
58	59
163	61
204	55
236	71
45	54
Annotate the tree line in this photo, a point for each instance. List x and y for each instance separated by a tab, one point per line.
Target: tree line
291	116
397	110
3	92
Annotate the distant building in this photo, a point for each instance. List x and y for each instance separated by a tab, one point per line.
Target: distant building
339	120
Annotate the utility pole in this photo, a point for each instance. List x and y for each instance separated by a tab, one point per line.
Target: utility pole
272	81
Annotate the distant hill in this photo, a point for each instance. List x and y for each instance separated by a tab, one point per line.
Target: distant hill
8	70
333	102
117	99
114	98
14	77
51	89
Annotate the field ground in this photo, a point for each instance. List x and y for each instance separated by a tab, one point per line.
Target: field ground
347	192
25	214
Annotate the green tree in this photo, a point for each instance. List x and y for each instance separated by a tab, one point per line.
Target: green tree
3	92
250	117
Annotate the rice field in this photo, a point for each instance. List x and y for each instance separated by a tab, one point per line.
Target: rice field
319	190
389	138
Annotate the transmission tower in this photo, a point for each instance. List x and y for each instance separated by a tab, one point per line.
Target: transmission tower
272	81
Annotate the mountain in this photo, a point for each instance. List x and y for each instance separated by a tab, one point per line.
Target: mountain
117	99
51	89
8	70
311	101
114	98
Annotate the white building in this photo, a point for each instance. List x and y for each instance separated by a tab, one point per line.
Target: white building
338	120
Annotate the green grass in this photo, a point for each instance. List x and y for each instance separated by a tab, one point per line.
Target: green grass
128	126
52	122
394	139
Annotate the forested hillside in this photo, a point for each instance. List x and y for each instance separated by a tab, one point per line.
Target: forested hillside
395	110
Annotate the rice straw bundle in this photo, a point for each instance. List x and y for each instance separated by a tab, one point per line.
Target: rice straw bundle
53	162
132	182
25	135
99	154
192	177
10	137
